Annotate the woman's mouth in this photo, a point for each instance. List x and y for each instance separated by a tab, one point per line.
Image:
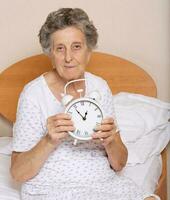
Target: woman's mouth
69	66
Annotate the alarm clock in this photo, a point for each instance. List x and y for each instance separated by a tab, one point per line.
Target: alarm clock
85	112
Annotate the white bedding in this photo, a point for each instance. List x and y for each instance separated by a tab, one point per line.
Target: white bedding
144	124
146	175
9	190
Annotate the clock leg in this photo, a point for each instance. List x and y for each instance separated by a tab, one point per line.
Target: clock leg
75	142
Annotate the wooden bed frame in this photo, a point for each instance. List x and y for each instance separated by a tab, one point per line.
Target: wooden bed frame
120	74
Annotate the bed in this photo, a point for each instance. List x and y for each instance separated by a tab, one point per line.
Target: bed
120	74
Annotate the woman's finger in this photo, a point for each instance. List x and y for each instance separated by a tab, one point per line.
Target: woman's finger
108	120
64	129
63	122
107	140
60	116
105	127
100	134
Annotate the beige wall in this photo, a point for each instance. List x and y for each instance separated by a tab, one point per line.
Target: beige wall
134	29
137	30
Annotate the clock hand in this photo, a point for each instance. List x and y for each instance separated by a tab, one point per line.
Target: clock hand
80	114
84	118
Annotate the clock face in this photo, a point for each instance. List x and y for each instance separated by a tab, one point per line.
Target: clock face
86	115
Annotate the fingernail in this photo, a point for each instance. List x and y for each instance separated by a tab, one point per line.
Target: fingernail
94	135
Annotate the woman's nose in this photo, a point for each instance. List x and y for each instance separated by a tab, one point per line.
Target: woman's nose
68	56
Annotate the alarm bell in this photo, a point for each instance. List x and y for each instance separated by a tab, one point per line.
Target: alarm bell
95	95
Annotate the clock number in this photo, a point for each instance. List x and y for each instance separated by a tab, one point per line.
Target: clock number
96	109
78	132
99	116
82	103
86	133
75	106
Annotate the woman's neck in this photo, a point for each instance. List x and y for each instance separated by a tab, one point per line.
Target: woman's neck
57	84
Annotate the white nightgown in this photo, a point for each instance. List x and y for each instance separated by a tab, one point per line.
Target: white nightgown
80	172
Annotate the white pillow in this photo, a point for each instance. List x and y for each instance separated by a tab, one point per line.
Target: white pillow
144	124
6	145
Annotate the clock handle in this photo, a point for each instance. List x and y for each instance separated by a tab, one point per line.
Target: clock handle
66	98
68	83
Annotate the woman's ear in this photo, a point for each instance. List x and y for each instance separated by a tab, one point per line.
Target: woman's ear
51	57
89	55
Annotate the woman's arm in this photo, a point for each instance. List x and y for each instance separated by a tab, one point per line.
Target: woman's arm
111	140
27	164
117	153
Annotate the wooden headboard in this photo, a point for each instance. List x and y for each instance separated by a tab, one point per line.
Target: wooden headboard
120	74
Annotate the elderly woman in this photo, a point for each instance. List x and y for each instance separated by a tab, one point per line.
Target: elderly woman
44	157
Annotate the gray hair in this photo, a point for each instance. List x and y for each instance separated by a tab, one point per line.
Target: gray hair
66	17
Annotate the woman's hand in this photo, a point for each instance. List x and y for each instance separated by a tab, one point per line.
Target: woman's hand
108	135
105	132
58	127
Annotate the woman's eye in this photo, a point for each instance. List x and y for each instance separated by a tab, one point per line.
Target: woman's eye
60	49
76	47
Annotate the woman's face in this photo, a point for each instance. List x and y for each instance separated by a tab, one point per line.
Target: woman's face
69	53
